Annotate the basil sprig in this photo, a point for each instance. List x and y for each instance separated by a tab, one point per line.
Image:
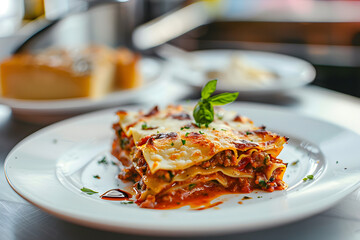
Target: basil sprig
204	111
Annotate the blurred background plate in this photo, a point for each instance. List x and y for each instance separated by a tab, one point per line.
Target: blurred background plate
248	72
157	87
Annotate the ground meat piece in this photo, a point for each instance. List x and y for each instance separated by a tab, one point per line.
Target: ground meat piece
149	202
225	158
259	159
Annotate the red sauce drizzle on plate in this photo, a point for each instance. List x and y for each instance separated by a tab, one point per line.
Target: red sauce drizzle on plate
116	195
209	206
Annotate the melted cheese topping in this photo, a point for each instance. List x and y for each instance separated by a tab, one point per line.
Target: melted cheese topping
169	139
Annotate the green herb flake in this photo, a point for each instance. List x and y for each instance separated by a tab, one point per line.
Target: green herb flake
262	183
191	186
187	134
187	127
259	197
124	142
248	133
204	110
201	132
337	162
183	141
144	126
213	128
127	202
172	144
103	161
113	163
246	197
96	176
308	177
266	159
181	128
88	191
295	163
223	129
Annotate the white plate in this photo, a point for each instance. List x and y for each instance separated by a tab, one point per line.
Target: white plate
290	72
49	167
152	71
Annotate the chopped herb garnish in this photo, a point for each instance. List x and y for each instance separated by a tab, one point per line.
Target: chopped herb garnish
223	129
144	126
187	127
96	176
295	163
248	133
308	177
129	202
245	198
201	132
186	134
213	128
204	111
337	162
262	183
259	197
271	179
266	158
103	161
181	128
172	144
191	186
88	191
113	163
183	141
124	142
157	132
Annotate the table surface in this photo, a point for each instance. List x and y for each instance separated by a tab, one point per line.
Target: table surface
21	220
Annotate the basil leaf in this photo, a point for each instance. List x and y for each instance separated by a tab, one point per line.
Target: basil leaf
208	89
203	112
223	98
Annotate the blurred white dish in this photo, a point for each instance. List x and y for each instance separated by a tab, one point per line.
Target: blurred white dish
258	73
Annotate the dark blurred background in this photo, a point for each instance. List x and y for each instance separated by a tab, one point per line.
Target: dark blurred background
325	33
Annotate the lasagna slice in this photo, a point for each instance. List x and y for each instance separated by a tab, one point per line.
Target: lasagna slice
172	161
